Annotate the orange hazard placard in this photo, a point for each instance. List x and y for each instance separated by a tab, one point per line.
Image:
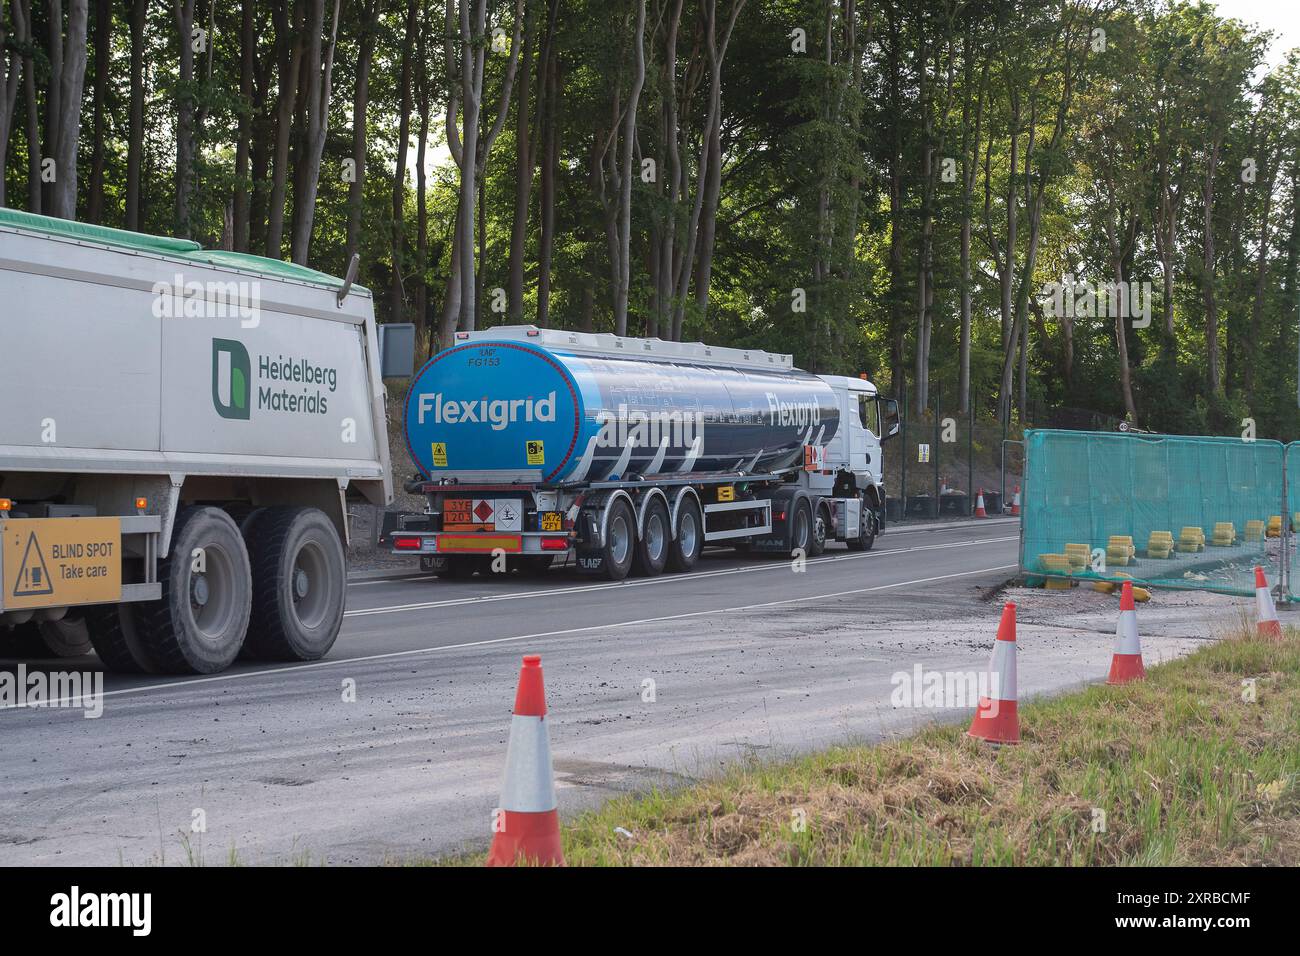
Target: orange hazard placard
53	562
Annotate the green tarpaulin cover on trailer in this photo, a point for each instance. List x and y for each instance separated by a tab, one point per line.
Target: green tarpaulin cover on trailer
160	245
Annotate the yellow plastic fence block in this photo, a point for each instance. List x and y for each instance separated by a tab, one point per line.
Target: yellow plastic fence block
1078	555
1225	534
1254	530
1191	539
1058	584
1058	563
1295	521
1160	544
1274	526
1141	595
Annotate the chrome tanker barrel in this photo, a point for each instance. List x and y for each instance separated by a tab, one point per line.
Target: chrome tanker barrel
521	404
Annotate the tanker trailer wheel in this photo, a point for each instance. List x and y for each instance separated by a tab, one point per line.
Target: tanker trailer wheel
866	530
299	585
800	528
66	637
620	541
820	527
688	537
199	624
115	634
651	553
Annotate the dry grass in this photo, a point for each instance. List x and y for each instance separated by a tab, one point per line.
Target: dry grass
1185	771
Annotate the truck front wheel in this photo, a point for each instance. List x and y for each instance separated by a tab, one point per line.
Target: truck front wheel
199	624
299	585
866	531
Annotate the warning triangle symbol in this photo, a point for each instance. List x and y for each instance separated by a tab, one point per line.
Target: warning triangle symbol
33	575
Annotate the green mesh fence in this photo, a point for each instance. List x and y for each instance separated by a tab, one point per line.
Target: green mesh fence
1171	511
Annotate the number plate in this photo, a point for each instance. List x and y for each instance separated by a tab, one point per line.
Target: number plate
552	521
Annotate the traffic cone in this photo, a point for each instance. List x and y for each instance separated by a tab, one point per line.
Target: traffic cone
996	719
1266	622
526	828
1126	662
979	506
1015	501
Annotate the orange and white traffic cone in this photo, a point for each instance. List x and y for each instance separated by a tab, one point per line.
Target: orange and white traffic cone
979	506
1126	662
1015	501
1266	622
996	719
526	827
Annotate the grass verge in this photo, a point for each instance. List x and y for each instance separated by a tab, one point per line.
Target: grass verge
1184	768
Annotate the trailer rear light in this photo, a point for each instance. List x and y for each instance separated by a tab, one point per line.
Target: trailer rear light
141	504
555	544
780	516
534	333
6	504
462	335
406	544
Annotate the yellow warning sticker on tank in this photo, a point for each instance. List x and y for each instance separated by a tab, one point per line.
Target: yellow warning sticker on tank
726	493
440	454
536	452
53	562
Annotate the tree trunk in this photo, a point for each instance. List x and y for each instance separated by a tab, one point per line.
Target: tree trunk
1207	274
103	42
71	83
360	104
396	294
524	161
247	66
321	71
184	115
135	134
288	36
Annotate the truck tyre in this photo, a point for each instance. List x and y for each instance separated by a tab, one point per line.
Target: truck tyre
866	531
620	541
688	537
820	527
198	626
299	585
651	553
67	637
115	634
800	528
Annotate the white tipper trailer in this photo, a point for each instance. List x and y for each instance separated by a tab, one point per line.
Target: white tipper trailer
631	455
181	432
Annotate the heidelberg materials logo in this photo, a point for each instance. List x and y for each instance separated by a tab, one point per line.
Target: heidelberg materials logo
231	374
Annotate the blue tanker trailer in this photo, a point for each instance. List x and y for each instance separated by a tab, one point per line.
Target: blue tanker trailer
633	454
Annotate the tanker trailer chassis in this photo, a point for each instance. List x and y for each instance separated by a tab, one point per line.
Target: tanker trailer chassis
651	512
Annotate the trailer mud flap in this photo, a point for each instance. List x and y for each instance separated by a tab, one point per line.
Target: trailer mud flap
58	562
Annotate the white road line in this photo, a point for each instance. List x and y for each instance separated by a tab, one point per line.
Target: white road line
397	655
664	579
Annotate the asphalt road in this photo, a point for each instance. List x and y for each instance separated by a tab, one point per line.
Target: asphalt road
747	658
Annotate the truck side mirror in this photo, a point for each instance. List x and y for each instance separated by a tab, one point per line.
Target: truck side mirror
891	422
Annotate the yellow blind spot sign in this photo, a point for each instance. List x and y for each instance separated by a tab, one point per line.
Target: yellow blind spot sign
440	454
726	493
51	562
536	452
